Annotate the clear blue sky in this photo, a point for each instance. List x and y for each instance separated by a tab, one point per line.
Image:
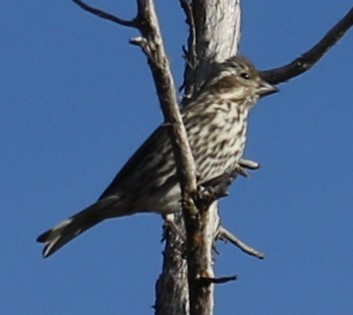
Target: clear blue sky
77	100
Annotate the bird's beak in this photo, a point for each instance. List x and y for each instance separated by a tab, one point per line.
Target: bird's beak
266	89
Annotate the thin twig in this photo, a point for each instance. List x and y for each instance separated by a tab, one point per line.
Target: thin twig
142	43
190	55
224	234
187	8
105	15
219	280
312	56
249	164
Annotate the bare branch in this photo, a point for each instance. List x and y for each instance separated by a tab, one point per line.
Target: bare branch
214	33
105	15
244	164
190	52
249	164
194	224
187	8
312	56
224	234
219	280
172	294
142	43
152	45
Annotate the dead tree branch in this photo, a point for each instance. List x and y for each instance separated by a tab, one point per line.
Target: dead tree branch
153	48
214	28
225	235
214	36
219	280
307	60
151	43
105	15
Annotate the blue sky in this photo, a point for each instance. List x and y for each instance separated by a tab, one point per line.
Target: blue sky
77	100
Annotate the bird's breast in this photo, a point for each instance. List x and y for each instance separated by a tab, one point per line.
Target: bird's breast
218	140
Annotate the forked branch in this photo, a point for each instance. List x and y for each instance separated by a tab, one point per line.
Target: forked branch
151	43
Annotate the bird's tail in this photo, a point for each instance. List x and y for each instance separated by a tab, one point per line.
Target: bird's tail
68	229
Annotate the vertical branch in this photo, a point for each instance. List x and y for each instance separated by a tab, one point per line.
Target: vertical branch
214	36
151	43
198	255
214	28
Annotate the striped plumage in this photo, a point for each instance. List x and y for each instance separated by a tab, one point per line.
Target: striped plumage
216	123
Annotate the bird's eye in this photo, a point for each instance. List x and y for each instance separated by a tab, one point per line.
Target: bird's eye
245	76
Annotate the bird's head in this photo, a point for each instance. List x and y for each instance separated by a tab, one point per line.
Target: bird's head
237	79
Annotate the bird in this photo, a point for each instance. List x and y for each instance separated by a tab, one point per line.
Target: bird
216	125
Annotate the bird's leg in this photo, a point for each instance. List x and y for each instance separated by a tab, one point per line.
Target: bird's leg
212	190
217	187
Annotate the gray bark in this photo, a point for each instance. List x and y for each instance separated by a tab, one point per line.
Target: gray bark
214	36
